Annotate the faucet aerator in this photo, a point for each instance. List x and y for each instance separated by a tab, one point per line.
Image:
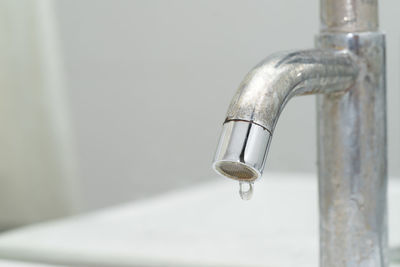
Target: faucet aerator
242	151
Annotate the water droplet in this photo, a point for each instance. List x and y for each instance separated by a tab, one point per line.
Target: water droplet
246	190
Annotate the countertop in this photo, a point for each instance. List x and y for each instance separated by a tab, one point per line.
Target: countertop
205	225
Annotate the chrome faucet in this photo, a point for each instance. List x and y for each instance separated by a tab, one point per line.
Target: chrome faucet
347	71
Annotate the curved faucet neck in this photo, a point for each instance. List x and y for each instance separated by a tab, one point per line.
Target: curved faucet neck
266	88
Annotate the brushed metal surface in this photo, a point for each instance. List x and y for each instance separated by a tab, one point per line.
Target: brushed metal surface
268	87
352	159
349	15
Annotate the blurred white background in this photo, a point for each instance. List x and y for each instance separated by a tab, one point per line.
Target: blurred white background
149	83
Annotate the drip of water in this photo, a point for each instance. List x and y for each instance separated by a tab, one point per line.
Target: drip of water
246	190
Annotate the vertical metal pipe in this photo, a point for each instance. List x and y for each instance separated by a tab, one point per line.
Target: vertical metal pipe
352	149
349	15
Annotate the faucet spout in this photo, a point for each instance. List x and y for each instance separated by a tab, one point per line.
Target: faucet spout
261	97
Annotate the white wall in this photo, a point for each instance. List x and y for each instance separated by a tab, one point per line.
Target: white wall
37	177
150	82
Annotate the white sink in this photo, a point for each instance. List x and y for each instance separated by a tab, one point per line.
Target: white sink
207	225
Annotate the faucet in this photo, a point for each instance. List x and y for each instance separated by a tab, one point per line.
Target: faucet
347	73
